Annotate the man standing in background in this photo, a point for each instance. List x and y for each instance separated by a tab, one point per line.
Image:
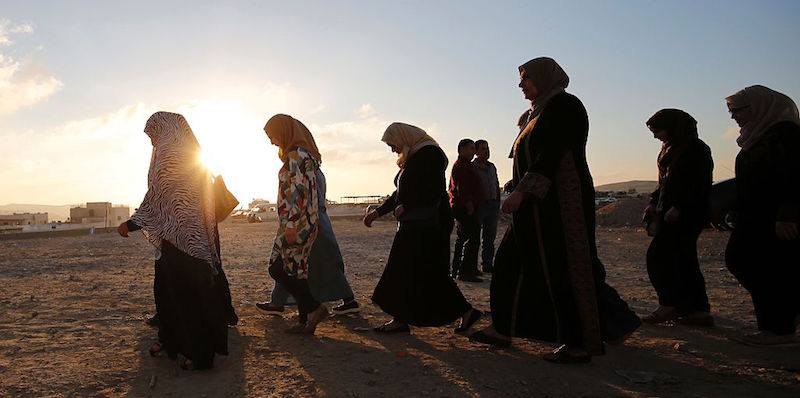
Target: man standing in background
489	213
466	197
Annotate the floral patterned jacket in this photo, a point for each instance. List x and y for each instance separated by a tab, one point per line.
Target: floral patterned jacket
297	208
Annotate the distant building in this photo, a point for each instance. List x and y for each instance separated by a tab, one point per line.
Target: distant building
99	212
260	203
23	219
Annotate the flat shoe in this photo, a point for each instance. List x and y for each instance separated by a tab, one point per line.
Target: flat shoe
391	327
473	317
562	356
296	329
484	338
705	320
656	318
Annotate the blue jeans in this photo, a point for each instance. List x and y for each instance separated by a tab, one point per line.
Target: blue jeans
488	214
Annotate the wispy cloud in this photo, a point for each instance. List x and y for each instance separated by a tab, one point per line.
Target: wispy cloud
22	83
731	133
84	160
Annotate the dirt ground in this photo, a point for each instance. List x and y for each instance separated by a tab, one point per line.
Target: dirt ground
72	309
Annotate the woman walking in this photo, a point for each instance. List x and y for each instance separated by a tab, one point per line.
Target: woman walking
177	217
677	213
764	250
298	210
548	282
326	277
416	288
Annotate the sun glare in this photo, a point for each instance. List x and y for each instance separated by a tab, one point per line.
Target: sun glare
235	146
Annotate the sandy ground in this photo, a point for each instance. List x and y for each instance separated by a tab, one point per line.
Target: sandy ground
71	311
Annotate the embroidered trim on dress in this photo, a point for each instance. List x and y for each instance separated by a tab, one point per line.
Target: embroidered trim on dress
534	183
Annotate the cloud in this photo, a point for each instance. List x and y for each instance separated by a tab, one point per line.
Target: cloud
95	159
366	111
731	133
23	83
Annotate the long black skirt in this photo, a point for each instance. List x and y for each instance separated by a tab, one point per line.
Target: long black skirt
192	306
416	287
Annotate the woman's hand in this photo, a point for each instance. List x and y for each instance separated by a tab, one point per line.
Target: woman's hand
511	204
672	215
369	218
786	230
647	214
123	230
290	235
399	210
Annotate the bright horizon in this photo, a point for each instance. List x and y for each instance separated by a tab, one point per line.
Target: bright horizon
78	81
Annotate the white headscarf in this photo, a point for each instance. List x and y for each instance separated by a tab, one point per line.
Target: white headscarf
179	204
768	108
408	138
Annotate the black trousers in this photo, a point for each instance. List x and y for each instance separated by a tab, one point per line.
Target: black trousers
674	270
296	287
770	270
468	234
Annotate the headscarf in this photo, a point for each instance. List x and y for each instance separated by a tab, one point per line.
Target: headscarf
290	134
768	108
680	127
179	204
408	138
550	80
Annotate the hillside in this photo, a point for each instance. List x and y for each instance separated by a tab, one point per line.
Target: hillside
54	213
640	186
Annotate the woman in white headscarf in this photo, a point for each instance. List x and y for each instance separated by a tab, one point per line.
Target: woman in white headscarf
763	251
177	217
416	288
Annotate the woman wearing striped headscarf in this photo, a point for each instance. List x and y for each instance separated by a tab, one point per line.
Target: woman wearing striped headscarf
177	217
416	288
298	214
764	248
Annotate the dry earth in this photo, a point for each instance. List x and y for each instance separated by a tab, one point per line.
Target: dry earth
71	311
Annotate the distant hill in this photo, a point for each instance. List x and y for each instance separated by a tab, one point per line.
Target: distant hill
639	186
54	213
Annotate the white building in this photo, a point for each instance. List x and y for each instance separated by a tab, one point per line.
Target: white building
99	212
23	219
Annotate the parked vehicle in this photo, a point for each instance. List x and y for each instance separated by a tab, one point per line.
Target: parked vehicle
723	204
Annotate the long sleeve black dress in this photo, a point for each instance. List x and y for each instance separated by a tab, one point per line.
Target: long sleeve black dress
416	287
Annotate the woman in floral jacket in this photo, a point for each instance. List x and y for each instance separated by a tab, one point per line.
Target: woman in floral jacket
297	212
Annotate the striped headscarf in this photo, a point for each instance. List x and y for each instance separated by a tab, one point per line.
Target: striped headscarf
179	204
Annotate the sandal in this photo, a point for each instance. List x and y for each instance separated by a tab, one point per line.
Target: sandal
562	355
484	338
661	316
393	327
473	317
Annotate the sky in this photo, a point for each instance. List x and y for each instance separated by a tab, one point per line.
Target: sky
79	79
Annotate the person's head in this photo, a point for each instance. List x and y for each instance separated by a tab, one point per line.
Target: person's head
672	126
165	123
757	108
739	109
288	134
466	149
540	76
482	150
405	139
